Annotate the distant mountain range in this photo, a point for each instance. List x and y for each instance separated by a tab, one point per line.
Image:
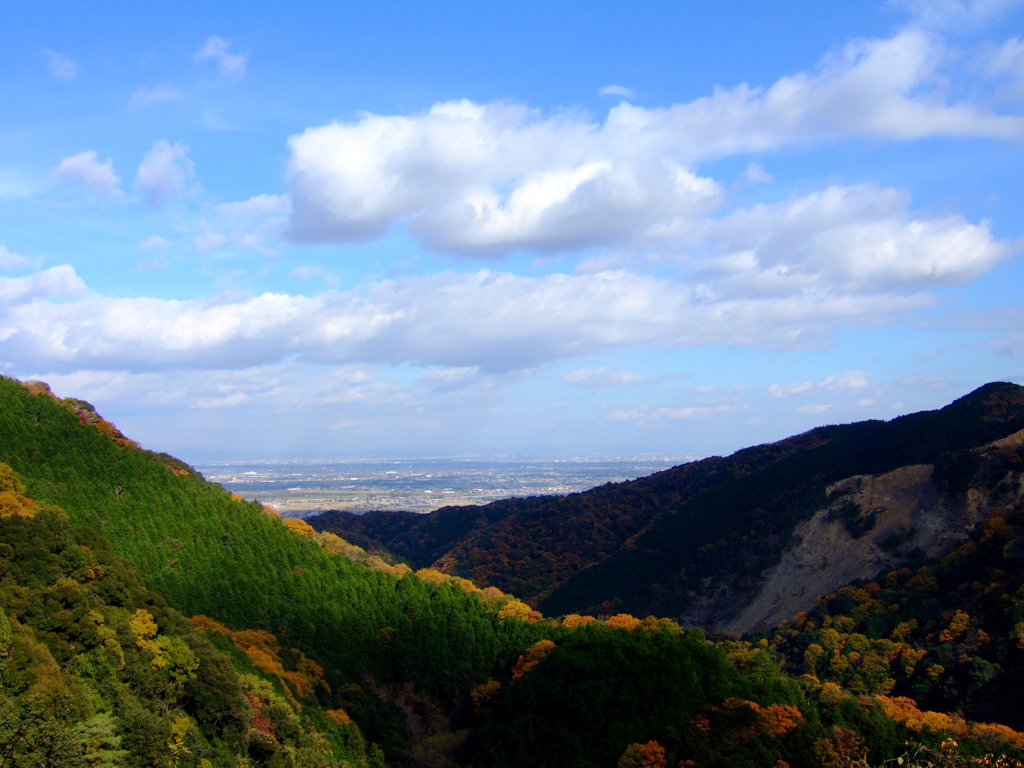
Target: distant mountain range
736	542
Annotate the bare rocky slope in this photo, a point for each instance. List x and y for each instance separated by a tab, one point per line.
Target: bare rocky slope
912	518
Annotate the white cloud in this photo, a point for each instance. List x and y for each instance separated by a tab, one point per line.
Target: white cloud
153	243
1007	60
56	281
61	67
847	380
249	224
350	424
449	379
756	174
788	390
603	377
215	49
165	172
484	179
853	238
954	14
602	263
306	272
494	321
815	409
151	265
10	260
221	402
157	94
206	242
645	414
98	180
256	208
617	90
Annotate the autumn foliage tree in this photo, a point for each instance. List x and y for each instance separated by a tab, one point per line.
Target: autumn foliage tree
649	755
532	657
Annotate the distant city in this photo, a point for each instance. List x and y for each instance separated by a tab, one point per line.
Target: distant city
301	488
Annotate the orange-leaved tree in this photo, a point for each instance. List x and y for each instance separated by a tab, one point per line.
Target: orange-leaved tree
532	657
649	755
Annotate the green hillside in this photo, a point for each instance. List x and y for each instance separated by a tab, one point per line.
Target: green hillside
207	553
98	671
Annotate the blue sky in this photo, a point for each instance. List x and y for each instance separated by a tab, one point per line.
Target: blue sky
592	229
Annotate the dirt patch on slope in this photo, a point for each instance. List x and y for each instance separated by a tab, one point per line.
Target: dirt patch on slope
902	511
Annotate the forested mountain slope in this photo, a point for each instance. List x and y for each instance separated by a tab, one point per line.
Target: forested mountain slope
96	670
323	649
668	544
525	546
949	634
706	557
208	553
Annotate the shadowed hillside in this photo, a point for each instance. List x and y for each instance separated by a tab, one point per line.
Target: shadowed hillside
669	543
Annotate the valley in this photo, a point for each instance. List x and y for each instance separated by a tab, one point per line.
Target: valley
300	488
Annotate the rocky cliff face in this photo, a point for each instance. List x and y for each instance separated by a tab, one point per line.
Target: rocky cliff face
875	522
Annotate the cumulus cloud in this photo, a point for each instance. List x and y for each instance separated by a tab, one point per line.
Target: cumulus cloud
98	180
10	260
59	282
485	179
856	239
164	173
216	49
61	67
481	179
157	94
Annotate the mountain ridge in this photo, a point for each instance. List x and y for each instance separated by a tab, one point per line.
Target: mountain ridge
626	546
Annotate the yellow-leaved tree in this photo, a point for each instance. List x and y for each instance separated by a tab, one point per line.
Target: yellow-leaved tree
13	500
173	662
